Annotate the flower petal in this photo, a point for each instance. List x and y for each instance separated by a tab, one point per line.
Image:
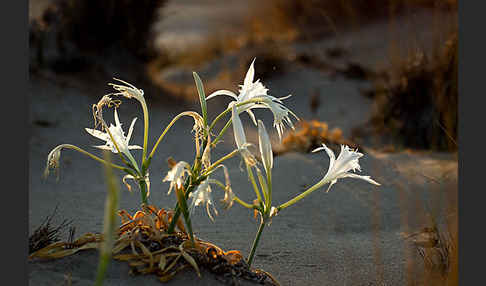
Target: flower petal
106	147
366	178
134	147
98	134
130	130
252	116
330	153
250	74
117	120
265	147
238	130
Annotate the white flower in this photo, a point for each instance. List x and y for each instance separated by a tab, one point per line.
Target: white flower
202	195
240	138
346	161
256	90
176	175
265	148
118	136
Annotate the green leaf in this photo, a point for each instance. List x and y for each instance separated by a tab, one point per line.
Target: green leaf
202	97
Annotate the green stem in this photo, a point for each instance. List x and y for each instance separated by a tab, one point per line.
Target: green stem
145	131
255	242
177	210
301	196
264	188
143	191
221	133
253	100
183	206
187	113
218	118
69	146
269	185
217	163
246	205
227	110
238	200
252	179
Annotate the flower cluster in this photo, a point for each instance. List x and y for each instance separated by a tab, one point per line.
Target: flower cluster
194	181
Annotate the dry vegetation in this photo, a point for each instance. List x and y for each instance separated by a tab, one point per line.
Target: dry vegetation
416	102
309	135
142	241
46	233
288	20
71	36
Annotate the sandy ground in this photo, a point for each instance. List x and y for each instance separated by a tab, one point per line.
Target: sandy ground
349	236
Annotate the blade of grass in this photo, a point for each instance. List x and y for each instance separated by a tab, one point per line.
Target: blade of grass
110	221
202	97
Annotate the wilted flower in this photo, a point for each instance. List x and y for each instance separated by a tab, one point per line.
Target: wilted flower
106	100
53	160
346	161
240	138
256	90
229	196
118	134
129	91
202	195
176	175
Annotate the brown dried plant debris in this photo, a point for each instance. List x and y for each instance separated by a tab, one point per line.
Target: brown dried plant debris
437	248
416	101
46	233
143	242
309	135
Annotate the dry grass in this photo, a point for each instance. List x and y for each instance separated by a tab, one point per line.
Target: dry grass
416	102
435	243
288	20
46	234
143	242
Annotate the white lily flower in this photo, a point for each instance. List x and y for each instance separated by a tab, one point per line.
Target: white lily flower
202	195
346	161
176	175
265	147
118	135
256	90
240	138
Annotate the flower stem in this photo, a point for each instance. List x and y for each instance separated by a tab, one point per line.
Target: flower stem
221	133
187	113
183	206
301	196
145	131
143	191
246	205
177	209
217	163
255	242
69	146
252	179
